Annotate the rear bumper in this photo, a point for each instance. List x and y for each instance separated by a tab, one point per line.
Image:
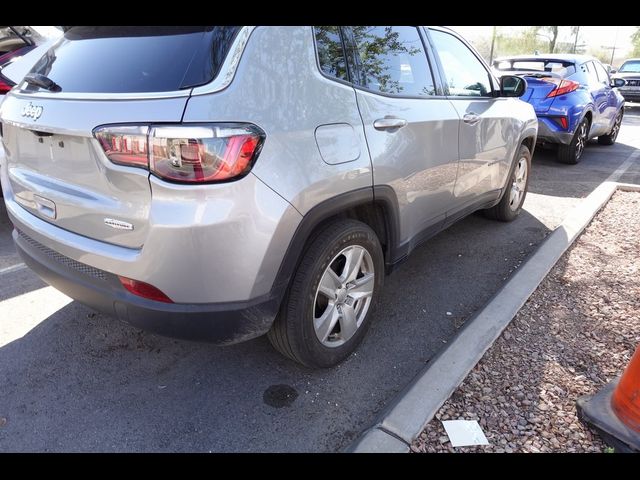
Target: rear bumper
220	323
549	133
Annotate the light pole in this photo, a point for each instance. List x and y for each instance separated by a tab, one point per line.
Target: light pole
613	52
493	42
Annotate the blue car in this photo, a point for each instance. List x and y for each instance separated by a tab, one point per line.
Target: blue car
574	98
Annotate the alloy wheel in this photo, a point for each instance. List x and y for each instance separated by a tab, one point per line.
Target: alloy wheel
519	184
343	296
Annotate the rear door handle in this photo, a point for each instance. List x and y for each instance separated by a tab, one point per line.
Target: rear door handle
471	118
389	123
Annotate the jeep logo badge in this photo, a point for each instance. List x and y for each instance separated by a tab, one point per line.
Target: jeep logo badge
32	111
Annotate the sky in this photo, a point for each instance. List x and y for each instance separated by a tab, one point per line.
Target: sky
592	36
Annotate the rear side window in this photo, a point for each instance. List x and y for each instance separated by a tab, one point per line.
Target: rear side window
136	59
390	60
330	52
592	76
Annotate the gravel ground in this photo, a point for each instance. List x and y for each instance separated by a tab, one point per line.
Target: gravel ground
574	334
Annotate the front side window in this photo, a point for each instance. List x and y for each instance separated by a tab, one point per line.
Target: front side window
465	76
390	60
330	52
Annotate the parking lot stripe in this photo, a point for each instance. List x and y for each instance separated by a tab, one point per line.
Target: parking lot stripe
615	176
12	268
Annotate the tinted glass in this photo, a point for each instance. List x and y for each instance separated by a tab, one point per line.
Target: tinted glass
136	59
592	76
391	60
464	74
330	52
603	76
563	69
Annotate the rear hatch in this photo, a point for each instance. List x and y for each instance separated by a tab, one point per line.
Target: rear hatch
57	169
538	90
542	75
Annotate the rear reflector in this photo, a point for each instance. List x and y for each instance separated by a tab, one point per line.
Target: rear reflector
562	86
144	290
561	121
185	153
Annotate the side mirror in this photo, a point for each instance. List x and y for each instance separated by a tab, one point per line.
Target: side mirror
618	82
613	70
512	86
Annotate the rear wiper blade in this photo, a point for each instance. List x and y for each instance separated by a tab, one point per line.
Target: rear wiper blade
42	81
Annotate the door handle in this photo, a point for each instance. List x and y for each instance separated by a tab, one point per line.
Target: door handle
471	118
389	123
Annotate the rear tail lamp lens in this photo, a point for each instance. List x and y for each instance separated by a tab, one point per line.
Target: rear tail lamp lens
203	154
562	86
124	145
185	153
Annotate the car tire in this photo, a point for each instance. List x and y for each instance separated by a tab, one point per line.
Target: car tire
610	138
572	153
515	193
302	330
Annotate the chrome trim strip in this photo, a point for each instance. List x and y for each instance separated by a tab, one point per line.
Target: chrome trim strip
100	96
230	65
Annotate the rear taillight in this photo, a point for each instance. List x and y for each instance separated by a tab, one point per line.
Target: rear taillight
124	145
185	153
144	290
562	86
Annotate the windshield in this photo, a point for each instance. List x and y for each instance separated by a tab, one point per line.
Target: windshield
630	67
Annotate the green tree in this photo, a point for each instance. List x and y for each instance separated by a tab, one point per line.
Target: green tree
551	33
635	41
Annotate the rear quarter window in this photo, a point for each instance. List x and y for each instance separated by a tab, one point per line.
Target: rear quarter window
136	59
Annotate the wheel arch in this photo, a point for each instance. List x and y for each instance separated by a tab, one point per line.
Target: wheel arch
377	207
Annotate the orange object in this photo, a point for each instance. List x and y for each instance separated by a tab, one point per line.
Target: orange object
625	400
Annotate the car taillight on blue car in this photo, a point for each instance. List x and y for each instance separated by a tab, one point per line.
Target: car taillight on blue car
562	86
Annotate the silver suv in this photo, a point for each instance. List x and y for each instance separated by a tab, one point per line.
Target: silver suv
220	183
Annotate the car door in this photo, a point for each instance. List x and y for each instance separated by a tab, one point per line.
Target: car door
410	127
487	128
610	110
599	93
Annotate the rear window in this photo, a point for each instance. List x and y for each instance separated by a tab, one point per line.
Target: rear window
135	59
558	67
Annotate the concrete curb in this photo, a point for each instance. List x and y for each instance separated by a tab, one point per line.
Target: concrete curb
410	411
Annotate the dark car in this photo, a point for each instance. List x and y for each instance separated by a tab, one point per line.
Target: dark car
15	44
630	73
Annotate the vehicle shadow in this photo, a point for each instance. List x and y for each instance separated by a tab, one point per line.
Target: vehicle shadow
81	381
549	177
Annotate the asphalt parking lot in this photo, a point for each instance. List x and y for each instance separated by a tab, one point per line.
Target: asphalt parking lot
75	380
